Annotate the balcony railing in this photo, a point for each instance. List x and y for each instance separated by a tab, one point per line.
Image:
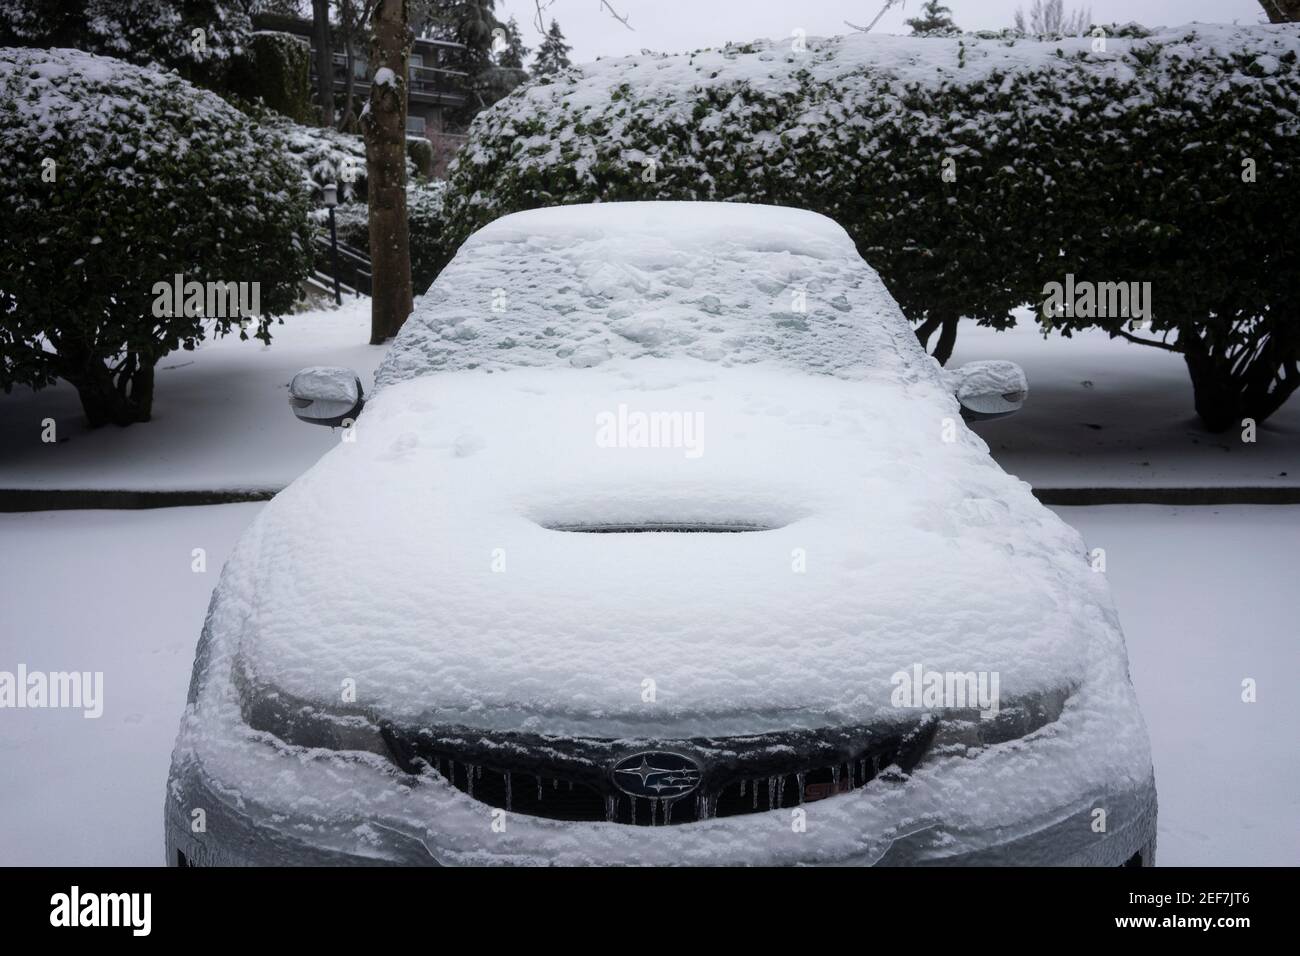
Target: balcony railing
428	84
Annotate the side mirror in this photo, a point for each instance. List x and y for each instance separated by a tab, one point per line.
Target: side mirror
326	396
988	390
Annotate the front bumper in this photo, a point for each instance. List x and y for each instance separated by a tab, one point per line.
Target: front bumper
233	837
1078	792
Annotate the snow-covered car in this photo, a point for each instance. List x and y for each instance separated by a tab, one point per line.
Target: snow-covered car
660	541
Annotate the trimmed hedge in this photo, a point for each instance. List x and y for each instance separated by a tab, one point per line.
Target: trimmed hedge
141	31
118	178
1114	163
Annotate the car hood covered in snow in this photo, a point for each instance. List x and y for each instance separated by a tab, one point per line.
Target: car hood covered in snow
451	563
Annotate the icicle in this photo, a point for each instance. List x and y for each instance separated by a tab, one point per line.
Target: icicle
451	772
771	793
509	793
862	770
742	789
668	812
633	799
611	808
780	790
799	778
654	811
555	783
755	794
835	779
539	789
469	777
875	765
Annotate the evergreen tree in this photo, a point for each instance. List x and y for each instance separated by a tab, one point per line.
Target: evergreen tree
934	20
511	57
553	54
469	23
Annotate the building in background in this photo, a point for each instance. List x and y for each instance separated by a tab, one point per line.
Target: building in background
433	91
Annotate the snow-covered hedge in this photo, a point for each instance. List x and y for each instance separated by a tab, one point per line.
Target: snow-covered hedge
118	178
142	31
969	170
324	156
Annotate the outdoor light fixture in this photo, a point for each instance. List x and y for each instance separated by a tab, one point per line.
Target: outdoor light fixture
332	200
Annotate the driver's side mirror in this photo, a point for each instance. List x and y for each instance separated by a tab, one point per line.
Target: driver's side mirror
325	395
988	390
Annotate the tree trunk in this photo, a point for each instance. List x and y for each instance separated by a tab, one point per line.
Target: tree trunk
1225	395
947	339
384	123
945	323
320	12
927	329
1281	11
348	122
110	397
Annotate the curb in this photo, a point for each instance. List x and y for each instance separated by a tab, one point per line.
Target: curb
1259	495
13	500
75	499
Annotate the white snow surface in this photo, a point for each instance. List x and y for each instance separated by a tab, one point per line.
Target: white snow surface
926	551
1227	772
729	283
1101	412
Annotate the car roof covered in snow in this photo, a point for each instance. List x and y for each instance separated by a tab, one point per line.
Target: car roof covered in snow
730	283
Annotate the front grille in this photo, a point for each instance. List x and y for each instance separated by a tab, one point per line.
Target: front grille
570	778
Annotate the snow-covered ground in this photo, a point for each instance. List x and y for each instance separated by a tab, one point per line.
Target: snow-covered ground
1100	413
1204	595
1103	412
221	416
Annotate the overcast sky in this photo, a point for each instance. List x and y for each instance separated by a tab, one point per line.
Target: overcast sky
675	26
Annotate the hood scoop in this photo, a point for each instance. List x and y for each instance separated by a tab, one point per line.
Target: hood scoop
671	527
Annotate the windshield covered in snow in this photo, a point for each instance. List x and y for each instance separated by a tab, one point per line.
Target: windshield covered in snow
727	283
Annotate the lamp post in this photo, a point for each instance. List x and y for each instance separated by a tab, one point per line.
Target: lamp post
332	200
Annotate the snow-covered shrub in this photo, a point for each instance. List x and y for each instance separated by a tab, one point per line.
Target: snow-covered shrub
117	180
324	156
963	167
141	31
427	228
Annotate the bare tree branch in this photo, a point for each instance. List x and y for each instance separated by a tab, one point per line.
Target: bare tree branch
606	5
541	6
1142	341
889	4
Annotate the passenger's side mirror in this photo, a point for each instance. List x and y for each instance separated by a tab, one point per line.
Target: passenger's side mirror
326	396
988	390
